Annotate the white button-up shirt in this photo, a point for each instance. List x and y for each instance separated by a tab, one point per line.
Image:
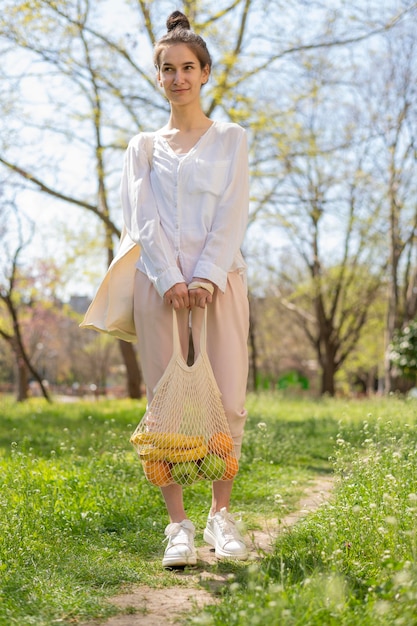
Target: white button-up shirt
188	212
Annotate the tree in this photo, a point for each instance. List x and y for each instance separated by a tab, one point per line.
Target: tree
327	210
96	360
96	88
363	370
10	322
392	106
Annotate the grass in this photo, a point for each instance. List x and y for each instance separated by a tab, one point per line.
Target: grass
354	561
78	519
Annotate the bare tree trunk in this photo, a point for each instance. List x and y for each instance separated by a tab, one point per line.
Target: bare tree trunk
393	313
22	381
327	379
133	372
19	351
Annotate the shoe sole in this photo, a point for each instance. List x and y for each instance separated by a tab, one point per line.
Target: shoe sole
178	562
219	553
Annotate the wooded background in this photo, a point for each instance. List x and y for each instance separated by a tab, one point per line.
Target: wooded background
327	93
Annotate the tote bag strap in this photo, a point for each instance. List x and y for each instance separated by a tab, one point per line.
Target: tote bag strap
176	336
149	148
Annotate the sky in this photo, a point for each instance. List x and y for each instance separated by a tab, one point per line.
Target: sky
52	217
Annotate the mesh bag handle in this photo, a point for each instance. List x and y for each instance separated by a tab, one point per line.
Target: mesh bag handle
176	349
184	435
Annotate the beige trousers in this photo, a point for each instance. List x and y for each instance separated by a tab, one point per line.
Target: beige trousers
227	333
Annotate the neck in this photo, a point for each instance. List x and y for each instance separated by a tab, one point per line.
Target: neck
186	120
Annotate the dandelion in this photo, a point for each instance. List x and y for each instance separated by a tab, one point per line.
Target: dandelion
382	607
403	578
262	426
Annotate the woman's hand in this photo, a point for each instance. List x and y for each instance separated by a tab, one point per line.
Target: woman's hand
200	296
177	296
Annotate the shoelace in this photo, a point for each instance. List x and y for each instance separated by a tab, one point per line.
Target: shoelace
174	529
227	526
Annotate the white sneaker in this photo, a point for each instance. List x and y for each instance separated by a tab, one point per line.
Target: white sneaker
222	533
180	550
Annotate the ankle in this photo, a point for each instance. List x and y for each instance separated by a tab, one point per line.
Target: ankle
217	508
177	519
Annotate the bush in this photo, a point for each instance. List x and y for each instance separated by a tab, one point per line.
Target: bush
403	350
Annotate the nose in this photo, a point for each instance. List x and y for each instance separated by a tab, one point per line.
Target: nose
178	77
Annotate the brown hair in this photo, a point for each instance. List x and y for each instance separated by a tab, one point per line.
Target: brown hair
179	31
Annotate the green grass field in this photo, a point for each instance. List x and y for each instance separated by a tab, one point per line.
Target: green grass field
78	519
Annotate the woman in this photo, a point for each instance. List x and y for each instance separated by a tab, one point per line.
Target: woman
185	202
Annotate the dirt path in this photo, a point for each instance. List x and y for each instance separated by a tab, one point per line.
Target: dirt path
153	607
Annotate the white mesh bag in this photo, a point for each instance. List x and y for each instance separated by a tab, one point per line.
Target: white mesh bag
184	435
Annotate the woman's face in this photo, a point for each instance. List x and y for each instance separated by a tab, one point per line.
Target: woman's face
180	74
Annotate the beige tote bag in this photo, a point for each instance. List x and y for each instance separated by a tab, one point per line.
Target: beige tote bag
111	310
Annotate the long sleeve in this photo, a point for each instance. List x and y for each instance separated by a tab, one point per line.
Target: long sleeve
142	220
229	225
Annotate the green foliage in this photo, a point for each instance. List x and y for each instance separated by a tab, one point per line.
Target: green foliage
403	350
354	561
78	519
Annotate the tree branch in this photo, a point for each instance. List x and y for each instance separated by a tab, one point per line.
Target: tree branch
61	196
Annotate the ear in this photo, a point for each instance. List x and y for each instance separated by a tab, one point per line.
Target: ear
205	74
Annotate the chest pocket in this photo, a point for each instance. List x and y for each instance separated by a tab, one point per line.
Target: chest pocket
208	177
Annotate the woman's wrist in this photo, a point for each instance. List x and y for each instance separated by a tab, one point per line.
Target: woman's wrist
196	284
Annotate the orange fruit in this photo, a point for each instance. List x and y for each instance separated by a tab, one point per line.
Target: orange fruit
157	472
221	444
232	467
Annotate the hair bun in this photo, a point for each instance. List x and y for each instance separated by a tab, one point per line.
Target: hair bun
178	20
